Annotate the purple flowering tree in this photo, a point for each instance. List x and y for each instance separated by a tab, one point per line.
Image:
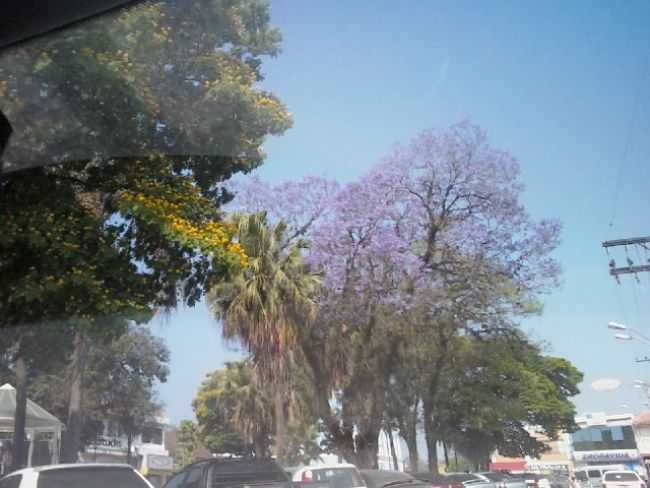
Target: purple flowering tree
434	230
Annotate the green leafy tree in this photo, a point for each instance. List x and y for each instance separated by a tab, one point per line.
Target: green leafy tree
119	382
125	375
234	414
140	115
186	443
495	389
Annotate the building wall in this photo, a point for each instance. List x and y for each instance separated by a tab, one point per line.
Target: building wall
148	452
642	435
557	458
604	440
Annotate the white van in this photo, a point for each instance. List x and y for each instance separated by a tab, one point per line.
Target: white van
623	479
592	476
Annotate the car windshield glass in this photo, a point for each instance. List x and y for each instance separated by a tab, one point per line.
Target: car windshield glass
621	476
247	242
495	476
85	477
461	477
338	477
239	472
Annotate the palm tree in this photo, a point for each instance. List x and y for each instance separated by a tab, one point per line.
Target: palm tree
252	415
267	306
233	412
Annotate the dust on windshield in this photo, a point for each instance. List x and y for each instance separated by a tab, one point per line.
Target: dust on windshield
395	236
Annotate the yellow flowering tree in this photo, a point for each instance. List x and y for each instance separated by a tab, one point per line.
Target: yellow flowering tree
130	123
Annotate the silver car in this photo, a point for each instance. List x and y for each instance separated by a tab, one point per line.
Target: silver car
471	480
502	480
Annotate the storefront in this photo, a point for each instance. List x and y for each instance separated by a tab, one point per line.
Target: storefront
556	458
148	453
604	440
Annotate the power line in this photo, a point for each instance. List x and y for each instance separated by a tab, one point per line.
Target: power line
626	147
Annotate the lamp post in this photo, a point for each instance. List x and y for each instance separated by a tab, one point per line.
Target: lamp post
631	333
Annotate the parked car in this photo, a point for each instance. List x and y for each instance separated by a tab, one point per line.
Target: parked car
438	480
622	479
76	476
559	480
582	479
535	480
231	473
374	478
503	480
330	475
470	480
594	474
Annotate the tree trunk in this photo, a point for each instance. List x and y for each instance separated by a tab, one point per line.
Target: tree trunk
391	441
410	435
367	448
431	438
260	446
444	448
20	416
129	444
414	456
432	453
72	438
280	424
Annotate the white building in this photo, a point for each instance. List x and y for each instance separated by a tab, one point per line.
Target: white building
606	439
641	427
148	453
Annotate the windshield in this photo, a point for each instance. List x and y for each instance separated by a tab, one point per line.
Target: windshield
459	478
495	476
621	476
242	472
247	242
101	478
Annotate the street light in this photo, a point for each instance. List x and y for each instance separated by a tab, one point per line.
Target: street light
616	326
632	332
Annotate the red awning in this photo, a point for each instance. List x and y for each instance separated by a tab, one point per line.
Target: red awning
508	466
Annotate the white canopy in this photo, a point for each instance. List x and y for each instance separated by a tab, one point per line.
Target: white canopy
38	419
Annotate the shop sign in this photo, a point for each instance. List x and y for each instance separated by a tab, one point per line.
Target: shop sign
606	455
112	442
163	463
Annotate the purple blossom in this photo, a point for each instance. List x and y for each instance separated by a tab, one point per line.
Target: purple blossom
446	206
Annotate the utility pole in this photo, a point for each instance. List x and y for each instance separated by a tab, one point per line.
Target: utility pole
632	267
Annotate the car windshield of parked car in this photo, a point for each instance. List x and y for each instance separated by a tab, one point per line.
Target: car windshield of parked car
240	238
80	477
338	477
246	472
495	476
463	477
621	476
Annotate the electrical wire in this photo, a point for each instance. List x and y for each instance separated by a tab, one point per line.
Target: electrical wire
626	147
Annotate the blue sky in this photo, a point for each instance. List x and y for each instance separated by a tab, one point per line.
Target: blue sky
563	86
